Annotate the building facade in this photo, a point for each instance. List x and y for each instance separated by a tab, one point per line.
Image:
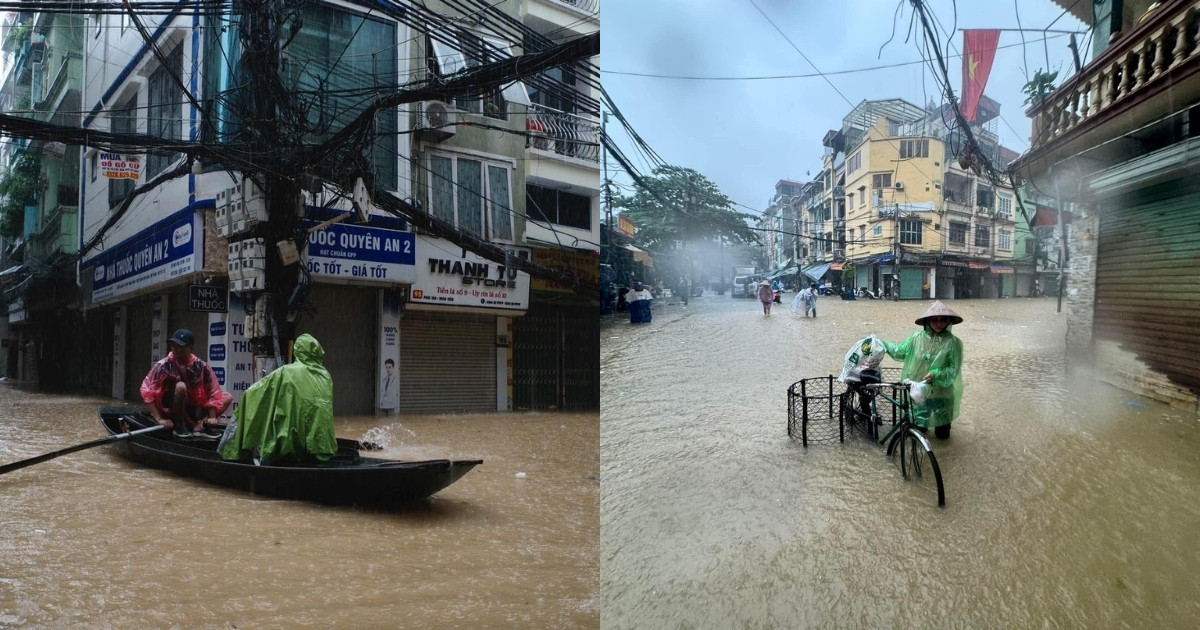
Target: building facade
1114	143
411	323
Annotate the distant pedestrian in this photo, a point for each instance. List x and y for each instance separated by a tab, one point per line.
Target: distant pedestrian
639	304
766	296
810	299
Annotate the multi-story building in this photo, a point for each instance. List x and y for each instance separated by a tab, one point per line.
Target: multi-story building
1117	141
43	84
556	359
779	231
189	251
906	213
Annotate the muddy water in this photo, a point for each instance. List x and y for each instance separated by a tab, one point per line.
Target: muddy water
89	540
1070	503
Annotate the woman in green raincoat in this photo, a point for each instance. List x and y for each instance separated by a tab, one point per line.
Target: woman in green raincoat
933	355
288	415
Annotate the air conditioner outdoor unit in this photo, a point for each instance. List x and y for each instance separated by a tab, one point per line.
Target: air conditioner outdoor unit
436	120
899	186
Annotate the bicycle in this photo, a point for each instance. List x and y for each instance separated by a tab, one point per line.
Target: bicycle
860	407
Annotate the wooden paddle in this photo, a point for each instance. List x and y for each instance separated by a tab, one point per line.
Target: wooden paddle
7	468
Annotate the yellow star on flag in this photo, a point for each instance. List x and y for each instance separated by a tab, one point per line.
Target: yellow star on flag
971	65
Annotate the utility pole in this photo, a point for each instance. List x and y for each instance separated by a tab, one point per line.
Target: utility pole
269	327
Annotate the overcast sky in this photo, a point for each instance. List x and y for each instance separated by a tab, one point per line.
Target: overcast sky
746	134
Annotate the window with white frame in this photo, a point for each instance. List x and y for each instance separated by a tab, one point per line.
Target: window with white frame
854	163
877	231
1004	206
910	231
1004	240
473	194
453	51
164	115
558	206
862	195
914	148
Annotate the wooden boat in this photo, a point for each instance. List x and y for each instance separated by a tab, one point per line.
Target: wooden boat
347	479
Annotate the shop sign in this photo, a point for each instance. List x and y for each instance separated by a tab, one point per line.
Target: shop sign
205	298
154	256
360	254
625	225
450	276
117	166
584	264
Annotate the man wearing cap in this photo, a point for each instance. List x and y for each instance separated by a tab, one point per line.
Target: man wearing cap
182	391
933	355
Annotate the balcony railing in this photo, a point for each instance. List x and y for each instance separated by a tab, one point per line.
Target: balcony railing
565	134
60	233
587	6
1144	61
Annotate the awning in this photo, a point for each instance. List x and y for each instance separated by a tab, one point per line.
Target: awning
837	266
1001	269
817	271
640	255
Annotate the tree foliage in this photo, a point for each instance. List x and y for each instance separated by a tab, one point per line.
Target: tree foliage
17	188
683	205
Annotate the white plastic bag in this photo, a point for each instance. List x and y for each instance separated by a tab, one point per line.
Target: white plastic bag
918	391
866	354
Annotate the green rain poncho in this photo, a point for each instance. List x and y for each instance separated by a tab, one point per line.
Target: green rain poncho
941	354
288	415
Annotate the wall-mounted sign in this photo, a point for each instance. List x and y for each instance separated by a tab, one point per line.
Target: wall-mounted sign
359	254
164	251
449	276
118	166
205	298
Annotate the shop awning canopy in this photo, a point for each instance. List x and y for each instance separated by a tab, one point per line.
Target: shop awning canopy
815	272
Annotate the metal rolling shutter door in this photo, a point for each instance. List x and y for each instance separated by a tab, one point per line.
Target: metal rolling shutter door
447	363
345	324
1147	277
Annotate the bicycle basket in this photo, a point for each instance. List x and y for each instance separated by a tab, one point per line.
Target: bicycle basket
813	416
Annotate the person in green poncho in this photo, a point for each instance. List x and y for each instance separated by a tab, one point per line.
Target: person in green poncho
933	355
288	415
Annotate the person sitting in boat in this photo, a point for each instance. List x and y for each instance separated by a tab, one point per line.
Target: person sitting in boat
288	415
182	391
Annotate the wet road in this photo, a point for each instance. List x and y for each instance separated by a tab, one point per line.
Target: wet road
1070	504
89	540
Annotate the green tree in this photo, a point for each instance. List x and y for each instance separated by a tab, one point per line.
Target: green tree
17	188
680	204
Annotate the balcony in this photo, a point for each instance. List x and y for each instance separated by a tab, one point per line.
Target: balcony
60	83
59	234
567	135
1153	70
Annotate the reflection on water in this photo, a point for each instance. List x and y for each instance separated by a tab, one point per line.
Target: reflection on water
90	540
1066	507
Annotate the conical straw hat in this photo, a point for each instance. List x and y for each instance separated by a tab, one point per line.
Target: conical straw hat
939	310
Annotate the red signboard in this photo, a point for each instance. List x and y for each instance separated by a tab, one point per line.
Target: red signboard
625	225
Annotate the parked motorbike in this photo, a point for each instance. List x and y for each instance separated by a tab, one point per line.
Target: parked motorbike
867	293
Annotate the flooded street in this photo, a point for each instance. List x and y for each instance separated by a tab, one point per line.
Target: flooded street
89	540
1070	503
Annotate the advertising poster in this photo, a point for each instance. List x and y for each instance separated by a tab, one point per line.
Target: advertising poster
229	351
388	375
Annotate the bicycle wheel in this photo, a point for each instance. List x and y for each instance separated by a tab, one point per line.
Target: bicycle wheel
911	450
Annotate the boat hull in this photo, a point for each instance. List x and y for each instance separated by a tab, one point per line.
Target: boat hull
347	479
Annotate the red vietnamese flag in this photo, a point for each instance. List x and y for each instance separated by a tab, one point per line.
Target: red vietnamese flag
979	50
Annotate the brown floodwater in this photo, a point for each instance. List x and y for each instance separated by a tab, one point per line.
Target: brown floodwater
1070	503
89	540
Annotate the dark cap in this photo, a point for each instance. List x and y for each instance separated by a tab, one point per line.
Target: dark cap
183	337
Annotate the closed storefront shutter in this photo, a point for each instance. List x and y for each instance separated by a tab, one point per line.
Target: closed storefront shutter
1147	274
345	324
447	363
911	281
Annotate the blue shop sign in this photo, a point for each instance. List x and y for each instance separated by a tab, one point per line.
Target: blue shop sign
361	254
154	256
